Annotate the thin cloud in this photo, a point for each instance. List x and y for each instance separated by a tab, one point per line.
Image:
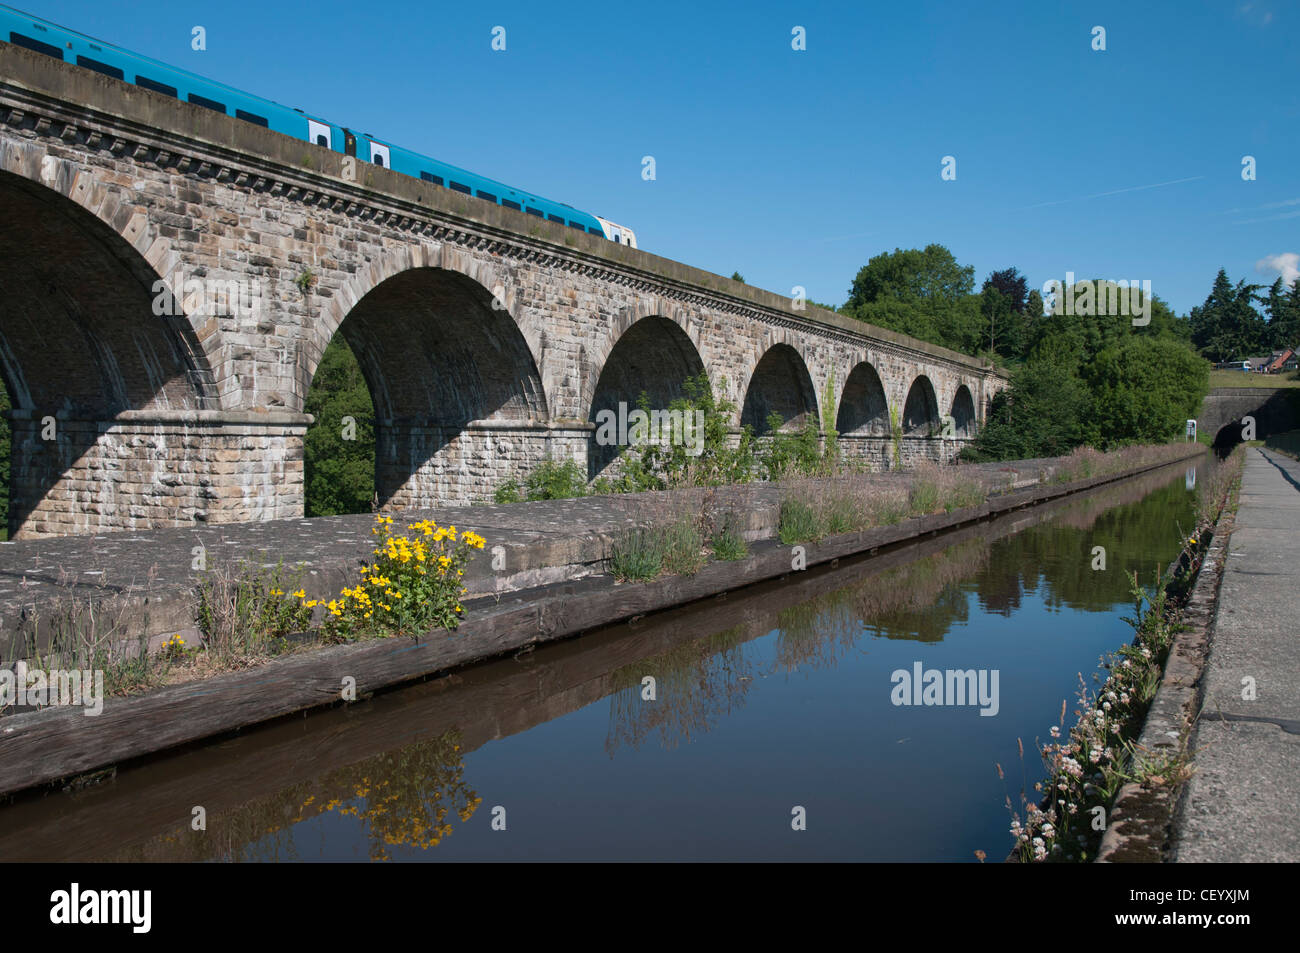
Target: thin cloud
1262	208
1097	195
1270	218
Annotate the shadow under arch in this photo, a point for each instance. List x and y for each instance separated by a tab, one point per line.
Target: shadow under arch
654	357
780	385
80	341
864	408
437	357
921	409
963	412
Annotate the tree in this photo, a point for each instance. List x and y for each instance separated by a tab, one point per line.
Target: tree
1283	315
1144	389
338	458
1034	306
1095	379
1042	414
923	293
1012	284
1227	327
737	276
928	276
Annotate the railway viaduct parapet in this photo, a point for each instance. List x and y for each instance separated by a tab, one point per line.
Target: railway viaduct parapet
170	278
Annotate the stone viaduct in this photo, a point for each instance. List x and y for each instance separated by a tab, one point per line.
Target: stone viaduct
170	277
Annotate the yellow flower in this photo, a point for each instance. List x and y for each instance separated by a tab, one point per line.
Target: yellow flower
301	594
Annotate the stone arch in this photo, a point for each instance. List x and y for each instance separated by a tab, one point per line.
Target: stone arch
653	356
594	361
95	342
864	408
781	384
489	287
80	331
963	411
455	387
921	409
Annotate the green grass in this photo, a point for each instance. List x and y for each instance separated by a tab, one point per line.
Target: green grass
643	553
728	545
1241	379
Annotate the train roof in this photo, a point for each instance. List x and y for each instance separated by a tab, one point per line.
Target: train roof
201	80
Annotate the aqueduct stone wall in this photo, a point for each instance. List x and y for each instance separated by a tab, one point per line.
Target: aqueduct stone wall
489	339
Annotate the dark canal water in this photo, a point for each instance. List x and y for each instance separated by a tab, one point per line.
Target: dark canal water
774	698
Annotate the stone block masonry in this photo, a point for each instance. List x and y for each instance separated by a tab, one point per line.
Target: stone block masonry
489	339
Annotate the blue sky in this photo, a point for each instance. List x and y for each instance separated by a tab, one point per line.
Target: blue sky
794	167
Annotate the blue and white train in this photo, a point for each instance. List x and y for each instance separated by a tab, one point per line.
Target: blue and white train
33	33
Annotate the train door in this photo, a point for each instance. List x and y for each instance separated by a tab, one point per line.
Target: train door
319	133
349	142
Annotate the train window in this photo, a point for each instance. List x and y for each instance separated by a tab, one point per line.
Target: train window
430	177
206	103
509	204
17	39
486	195
578	225
596	231
457	187
99	67
617	240
251	117
318	133
556	218
379	155
146	83
534	211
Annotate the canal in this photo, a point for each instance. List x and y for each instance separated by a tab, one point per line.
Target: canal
774	731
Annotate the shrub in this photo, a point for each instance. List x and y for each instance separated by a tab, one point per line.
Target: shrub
508	492
413	587
551	480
